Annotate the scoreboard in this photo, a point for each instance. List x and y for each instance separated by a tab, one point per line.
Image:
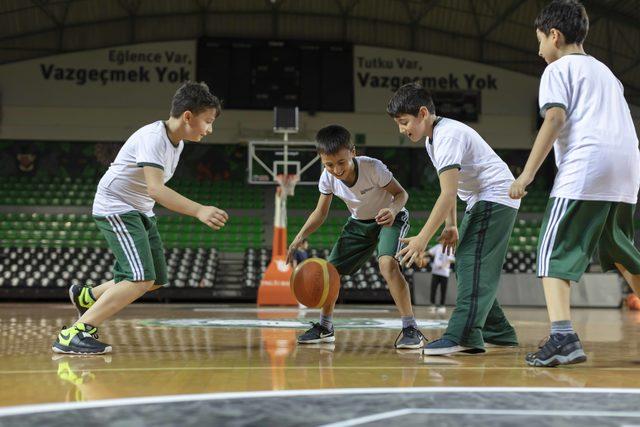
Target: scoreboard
262	74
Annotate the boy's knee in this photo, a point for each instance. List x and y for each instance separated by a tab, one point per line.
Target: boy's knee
145	285
388	265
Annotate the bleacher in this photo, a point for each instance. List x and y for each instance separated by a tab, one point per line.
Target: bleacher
50	240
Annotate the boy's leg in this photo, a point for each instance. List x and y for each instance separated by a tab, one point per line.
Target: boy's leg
483	246
97	291
568	239
616	248
398	286
115	299
632	279
352	249
497	330
388	246
134	274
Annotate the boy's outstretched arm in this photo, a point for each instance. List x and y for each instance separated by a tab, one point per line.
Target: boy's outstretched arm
386	216
314	221
210	215
554	120
416	245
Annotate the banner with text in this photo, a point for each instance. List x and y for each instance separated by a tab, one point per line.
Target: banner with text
466	88
142	75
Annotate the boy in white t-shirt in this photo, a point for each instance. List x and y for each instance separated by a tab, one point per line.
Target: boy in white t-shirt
123	211
469	168
378	221
588	123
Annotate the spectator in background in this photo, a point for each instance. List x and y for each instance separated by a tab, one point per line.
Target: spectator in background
440	271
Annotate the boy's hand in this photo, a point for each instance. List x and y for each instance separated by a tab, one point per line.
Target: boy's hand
385	217
518	187
212	217
449	239
412	252
297	242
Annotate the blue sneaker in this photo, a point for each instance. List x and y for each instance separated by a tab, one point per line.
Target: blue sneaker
557	349
443	347
317	334
410	338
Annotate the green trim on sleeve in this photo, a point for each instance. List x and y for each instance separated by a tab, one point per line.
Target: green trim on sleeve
446	168
545	107
387	184
153	165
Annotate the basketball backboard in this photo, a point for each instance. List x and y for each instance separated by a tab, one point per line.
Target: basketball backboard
267	159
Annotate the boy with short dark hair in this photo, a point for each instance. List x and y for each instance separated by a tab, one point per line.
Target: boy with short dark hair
123	211
469	168
592	203
378	221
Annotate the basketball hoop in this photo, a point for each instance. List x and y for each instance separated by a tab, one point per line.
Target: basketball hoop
287	183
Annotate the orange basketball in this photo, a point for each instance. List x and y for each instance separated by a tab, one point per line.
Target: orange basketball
315	282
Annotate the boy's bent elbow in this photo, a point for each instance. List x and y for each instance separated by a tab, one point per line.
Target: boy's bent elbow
154	191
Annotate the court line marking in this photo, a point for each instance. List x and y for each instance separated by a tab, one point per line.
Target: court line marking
297	368
177	398
470	411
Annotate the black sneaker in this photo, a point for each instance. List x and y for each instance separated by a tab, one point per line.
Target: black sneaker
317	334
410	337
558	349
80	338
81	297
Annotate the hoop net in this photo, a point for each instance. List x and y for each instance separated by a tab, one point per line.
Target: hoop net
287	183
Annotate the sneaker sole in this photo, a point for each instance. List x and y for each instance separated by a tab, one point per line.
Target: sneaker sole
66	350
411	346
318	341
576	356
490	345
448	350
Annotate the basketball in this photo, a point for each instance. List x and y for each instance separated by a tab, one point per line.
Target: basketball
314	282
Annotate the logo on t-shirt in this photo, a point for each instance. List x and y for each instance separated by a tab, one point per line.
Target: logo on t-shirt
366	190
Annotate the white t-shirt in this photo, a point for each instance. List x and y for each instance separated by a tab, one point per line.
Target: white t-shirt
483	175
367	196
597	150
123	187
441	264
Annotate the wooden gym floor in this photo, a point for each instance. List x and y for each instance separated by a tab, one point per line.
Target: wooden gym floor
158	351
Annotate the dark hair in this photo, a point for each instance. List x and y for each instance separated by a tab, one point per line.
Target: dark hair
194	97
408	99
567	16
333	138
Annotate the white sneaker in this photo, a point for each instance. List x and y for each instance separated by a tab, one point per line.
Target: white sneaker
432	309
441	310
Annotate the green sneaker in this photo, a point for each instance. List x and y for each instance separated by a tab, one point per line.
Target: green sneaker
81	297
81	338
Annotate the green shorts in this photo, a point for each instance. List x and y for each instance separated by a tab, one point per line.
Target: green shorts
134	240
573	229
359	239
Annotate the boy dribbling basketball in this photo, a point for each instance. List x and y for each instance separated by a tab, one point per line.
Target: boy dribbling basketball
378	221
